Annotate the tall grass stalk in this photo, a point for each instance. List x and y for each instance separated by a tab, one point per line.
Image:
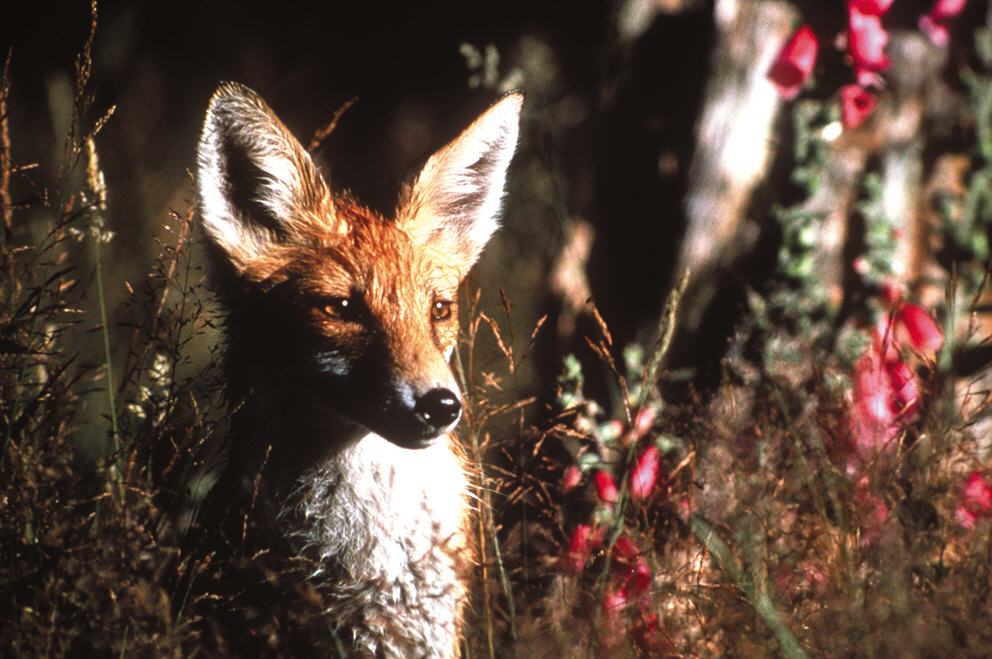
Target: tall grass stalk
487	527
97	187
757	596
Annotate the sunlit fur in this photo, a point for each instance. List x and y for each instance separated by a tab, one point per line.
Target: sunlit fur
324	391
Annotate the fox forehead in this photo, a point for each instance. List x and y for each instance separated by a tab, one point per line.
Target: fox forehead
374	256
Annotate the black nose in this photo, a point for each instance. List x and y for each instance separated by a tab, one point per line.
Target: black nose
438	408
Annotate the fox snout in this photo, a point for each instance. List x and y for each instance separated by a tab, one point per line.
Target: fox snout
402	392
438	409
426	416
408	417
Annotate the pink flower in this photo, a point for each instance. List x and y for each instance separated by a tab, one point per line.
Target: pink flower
614	602
910	327
580	547
905	390
794	63
624	549
645	473
873	390
936	23
976	500
871	7
856	105
643	422
640	579
965	517
921	331
978	493
631	570
605	487
875	407
886	391
885	341
570	479
866	41
893	291
945	9
646	634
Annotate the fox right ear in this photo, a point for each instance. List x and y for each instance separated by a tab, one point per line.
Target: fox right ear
454	202
257	185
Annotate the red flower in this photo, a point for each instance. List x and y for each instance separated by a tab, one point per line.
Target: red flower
644	474
631	570
856	105
872	7
624	549
885	339
893	291
912	327
640	579
965	517
614	602
873	390
643	422
936	23
886	391
605	487
570	478
944	9
584	540
794	63
976	500
646	634
905	391
875	407
886	394
978	493
921	331
866	41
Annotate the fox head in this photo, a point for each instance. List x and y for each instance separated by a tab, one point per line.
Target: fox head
330	299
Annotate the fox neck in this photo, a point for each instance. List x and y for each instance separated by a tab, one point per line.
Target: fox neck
283	431
387	523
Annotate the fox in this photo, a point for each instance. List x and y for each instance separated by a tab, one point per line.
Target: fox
339	325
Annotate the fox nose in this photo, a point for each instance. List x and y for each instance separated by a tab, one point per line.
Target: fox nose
438	408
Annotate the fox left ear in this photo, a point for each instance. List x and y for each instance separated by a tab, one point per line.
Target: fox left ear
455	200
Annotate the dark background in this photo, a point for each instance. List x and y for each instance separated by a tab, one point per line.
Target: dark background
601	117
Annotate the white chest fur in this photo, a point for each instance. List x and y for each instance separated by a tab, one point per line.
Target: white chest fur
388	522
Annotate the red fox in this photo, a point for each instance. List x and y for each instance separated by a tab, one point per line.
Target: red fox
340	324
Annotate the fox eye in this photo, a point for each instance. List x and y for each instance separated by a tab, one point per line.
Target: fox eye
441	310
342	308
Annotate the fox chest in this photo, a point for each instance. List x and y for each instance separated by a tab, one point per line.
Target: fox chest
386	514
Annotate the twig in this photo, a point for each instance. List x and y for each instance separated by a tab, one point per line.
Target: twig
321	133
663	340
6	203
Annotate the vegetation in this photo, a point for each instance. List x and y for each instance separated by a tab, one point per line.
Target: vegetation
821	488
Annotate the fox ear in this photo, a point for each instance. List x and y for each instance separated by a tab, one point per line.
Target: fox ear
257	185
455	200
